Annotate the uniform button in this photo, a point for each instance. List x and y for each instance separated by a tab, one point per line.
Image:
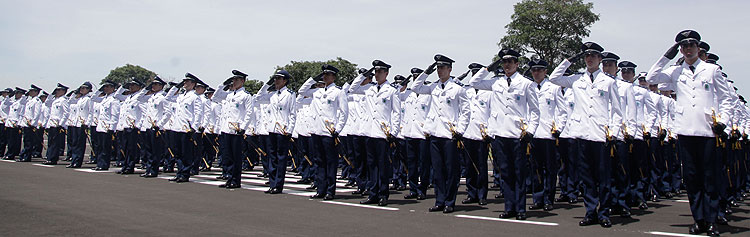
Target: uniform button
591	97
693	106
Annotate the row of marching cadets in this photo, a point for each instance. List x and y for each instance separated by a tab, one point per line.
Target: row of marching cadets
613	138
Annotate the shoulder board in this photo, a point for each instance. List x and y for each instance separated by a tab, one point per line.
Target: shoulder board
610	75
372	83
339	87
459	83
394	86
578	73
290	91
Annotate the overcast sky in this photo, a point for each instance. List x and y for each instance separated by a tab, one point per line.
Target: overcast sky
71	41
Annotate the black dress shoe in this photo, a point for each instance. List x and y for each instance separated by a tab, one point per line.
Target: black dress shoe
643	206
562	199
232	186
268	191
482	202
605	223
72	166
721	220
521	216
573	201
358	192
98	169
587	221
499	195
275	191
261	175
436	208
90	162
49	163
625	213
268	182
303	181
548	207
733	203
448	209
728	211
505	215
349	184
328	197
712	230
383	202
695	229
669	195
469	200
317	195
421	197
536	206
654	198
312	187
401	188
221	178
127	172
410	196
148	175
369	201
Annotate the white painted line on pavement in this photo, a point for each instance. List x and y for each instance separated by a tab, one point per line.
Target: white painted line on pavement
11	161
95	171
685	201
668	234
360	205
508	220
43	165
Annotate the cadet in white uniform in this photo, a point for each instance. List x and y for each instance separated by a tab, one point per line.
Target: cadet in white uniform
702	111
513	122
545	153
186	119
446	122
594	121
56	123
329	112
381	125
13	123
477	141
281	104
31	124
236	105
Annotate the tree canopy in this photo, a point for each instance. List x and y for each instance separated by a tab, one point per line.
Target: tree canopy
125	73
551	29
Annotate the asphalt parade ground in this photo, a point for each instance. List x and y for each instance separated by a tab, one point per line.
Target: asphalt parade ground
51	200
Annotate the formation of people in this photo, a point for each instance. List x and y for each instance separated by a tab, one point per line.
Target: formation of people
613	138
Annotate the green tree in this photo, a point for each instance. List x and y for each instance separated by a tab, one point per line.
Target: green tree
123	74
302	70
253	86
551	29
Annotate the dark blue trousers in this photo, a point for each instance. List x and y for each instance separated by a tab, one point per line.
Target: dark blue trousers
360	172
639	172
595	168
380	170
184	153
232	147
476	168
546	163
3	139
55	142
446	170
513	162
155	141
130	144
418	162
77	144
107	149
278	152
568	150
701	172
14	142
30	143
620	180
326	159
